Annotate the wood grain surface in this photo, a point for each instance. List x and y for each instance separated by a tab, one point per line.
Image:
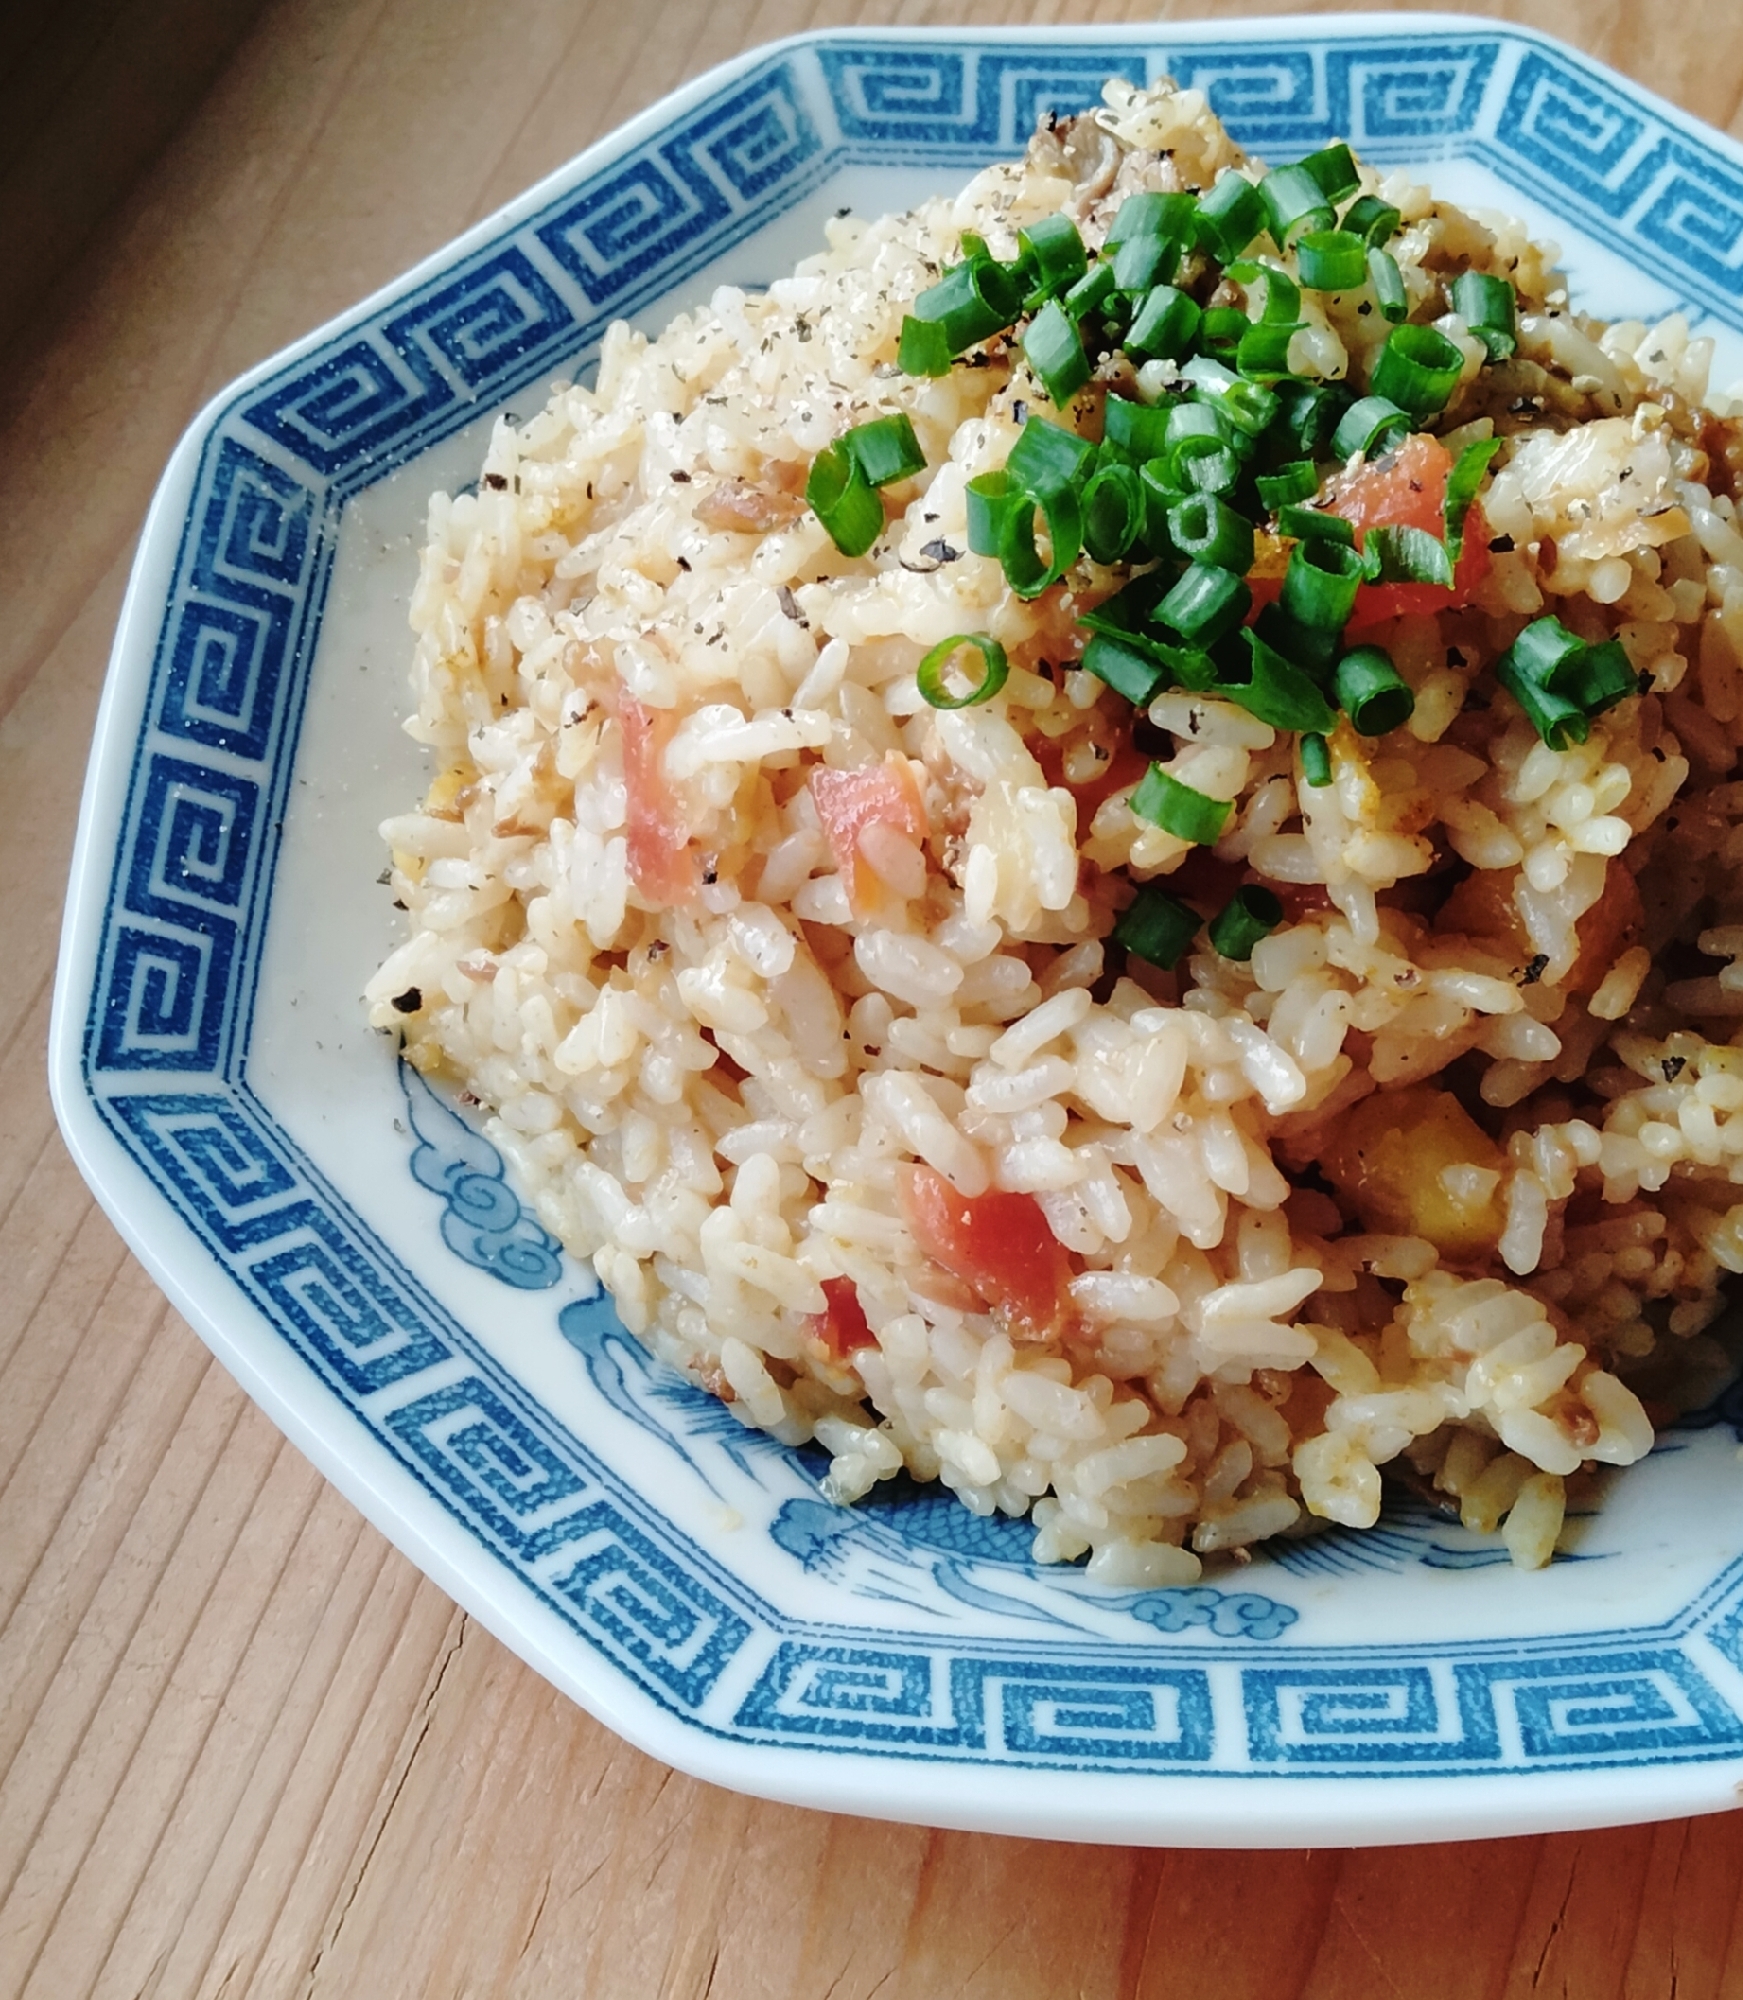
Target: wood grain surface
245	1749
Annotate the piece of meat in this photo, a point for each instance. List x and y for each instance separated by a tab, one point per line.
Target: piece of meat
848	802
841	1325
662	862
998	1244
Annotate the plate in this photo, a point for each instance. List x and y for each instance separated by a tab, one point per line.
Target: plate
352	1249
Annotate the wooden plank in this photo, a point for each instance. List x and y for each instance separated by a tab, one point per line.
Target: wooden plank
244	1748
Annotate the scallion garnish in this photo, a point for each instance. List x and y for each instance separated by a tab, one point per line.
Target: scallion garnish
1141	262
1334	171
1206	605
1229	216
1178	809
1091	293
1298	480
1407	555
1150	214
971	302
885	449
1051	258
1487	306
1207	529
1277	691
1418	369
1123	667
1561	682
1320	584
1279	295
930	673
1372	692
1113	511
1388	283
1202	465
1053	347
1165	327
924	348
1157	927
1316	761
1263	353
1026	571
1308	524
1461	489
1047	457
843	499
1250	914
1332	260
991	499
1137	430
1248	406
1294	201
1373	220
1220	331
1307	416
1368	427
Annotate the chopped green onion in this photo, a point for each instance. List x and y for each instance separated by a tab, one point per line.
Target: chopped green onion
1418	369
1373	220
1334	171
1277	691
1047	457
1372	692
1186	420
975	247
1166	326
1136	429
1388	283
1025	570
930	672
1294	201
1151	215
1229	216
1091	292
843	500
1487	307
1157	927
992	499
1308	524
1206	529
1113	511
924	348
1143	261
1368	427
1248	406
1250	914
1555	667
1127	612
1206	605
1202	465
1298	480
1279	294
1320	584
1137	675
886	449
1312	648
1051	257
1053	347
1608	677
971	302
1178	809
1307	415
1263	354
1461	489
1332	260
1316	761
1408	555
1221	329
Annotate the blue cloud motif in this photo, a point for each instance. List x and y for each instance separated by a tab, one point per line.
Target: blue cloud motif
484	1221
1229	1614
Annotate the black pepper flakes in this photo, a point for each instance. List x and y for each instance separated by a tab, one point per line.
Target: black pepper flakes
496	482
408	1002
1535	967
1673	1067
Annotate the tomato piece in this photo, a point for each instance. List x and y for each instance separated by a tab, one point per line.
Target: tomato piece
661	861
1407	489
841	1325
848	802
998	1244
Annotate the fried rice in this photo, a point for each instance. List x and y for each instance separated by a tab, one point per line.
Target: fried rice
794	1000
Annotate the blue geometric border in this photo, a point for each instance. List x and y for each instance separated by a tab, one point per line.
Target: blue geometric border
170	1011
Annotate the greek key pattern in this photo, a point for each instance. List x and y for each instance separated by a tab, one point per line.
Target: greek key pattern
1217	1684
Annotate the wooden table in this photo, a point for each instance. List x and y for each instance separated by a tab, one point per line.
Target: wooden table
246	1748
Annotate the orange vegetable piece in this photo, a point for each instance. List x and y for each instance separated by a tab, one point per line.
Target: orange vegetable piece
662	863
998	1244
1407	489
850	801
1395	1157
841	1325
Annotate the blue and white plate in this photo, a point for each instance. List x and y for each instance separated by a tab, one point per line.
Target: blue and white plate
351	1248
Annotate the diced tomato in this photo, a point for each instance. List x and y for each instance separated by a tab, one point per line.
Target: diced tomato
1407	489
841	1324
998	1244
847	803
661	860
